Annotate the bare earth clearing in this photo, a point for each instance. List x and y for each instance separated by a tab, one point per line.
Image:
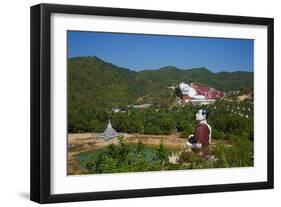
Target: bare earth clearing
84	142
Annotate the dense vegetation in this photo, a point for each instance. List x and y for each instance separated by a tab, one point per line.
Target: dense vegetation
124	158
140	158
232	123
95	87
230	120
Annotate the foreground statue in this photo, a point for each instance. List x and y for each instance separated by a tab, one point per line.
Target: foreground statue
202	135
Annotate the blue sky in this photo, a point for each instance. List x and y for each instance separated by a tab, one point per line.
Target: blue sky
138	52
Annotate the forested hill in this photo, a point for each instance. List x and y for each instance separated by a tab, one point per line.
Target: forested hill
95	83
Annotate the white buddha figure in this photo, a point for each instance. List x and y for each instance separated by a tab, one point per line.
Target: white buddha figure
189	91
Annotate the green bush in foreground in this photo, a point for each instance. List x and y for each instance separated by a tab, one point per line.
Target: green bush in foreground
240	155
140	158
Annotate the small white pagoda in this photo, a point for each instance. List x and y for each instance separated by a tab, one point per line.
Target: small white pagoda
108	133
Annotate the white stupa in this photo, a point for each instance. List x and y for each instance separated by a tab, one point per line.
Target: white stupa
109	133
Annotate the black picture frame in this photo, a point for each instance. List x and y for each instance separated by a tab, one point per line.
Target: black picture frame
41	96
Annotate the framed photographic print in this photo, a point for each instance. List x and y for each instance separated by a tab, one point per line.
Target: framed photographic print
133	103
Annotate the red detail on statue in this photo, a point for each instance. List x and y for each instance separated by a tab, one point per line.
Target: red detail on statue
202	136
209	93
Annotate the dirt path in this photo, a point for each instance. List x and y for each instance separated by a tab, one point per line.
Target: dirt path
89	141
78	143
84	142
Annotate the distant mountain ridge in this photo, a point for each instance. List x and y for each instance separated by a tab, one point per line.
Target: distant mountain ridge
96	83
